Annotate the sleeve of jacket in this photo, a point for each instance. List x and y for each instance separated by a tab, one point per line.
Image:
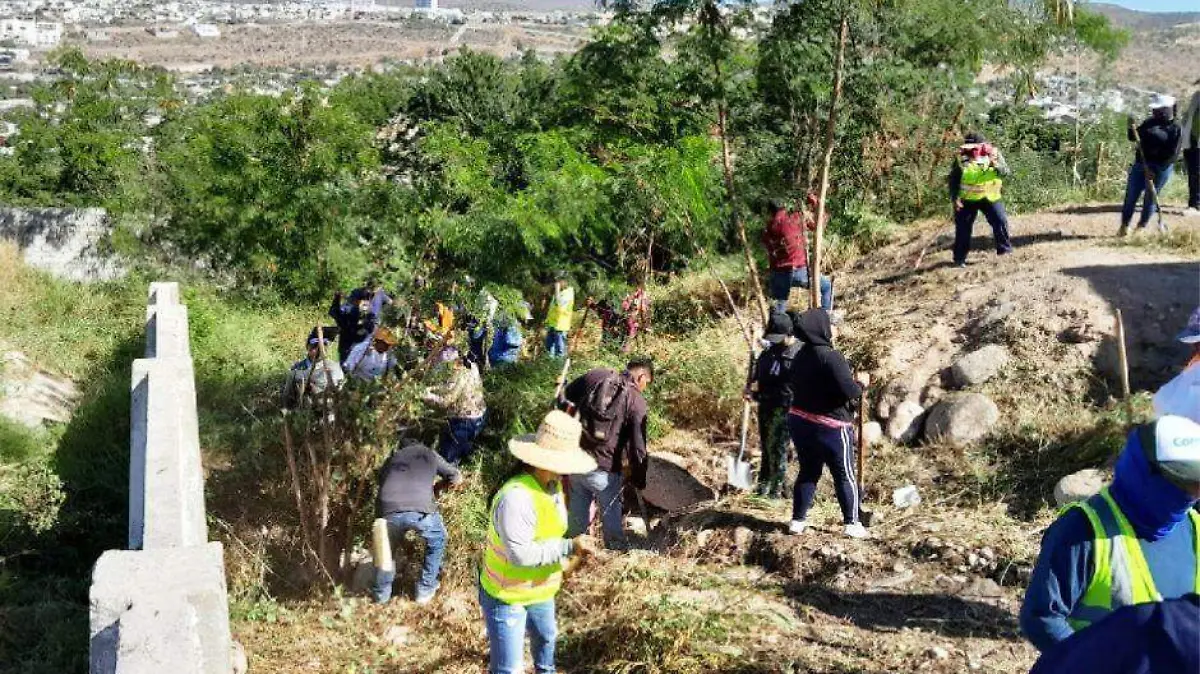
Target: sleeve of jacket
445	469
843	376
954	181
1059	580
639	456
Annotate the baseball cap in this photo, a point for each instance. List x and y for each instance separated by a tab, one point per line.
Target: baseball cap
779	327
1191	334
1177	448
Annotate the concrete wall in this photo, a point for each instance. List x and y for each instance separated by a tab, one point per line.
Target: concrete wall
66	242
162	606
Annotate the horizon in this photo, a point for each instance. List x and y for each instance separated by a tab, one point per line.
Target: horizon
1158	6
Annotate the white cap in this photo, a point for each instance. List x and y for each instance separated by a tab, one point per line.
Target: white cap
1162	101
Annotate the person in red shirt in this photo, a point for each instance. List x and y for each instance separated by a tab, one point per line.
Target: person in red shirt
787	251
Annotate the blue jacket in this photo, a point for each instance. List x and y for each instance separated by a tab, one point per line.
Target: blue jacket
1064	567
506	346
1143	639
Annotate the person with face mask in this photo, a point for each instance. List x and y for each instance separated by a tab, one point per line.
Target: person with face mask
355	320
1160	137
1136	542
975	182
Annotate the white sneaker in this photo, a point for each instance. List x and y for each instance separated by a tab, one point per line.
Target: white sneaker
424	598
856	530
797	527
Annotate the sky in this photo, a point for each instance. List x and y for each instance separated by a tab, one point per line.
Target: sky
1159	5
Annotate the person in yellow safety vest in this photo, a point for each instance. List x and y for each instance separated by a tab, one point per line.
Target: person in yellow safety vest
1136	542
975	183
558	317
526	554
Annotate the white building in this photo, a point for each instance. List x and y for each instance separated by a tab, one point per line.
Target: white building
429	5
31	33
206	30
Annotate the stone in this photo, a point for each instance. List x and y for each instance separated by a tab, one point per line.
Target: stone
983	588
939	653
1078	486
905	424
363	577
931	395
241	664
69	243
742	537
636	526
961	420
31	396
979	366
397	636
872	432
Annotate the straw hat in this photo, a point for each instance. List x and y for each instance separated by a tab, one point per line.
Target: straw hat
555	446
386	336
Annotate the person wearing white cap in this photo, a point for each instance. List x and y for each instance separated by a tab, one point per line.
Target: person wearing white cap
526	553
1181	395
1160	138
1191	151
1136	542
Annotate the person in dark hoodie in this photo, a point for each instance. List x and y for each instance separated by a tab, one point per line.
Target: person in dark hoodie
1160	135
824	394
771	387
1136	542
355	320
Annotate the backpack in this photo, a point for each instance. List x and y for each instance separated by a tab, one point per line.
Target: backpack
603	410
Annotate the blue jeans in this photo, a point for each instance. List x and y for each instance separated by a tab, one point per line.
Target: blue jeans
604	487
783	280
506	628
458	438
964	223
1137	185
556	343
431	528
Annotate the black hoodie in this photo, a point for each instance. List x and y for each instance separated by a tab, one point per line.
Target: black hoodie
822	382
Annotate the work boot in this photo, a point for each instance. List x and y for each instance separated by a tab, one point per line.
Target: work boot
856	530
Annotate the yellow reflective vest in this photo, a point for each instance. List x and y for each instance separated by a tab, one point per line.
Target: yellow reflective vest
1120	574
979	181
562	305
524	585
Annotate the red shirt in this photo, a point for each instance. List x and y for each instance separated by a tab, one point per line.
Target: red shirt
784	240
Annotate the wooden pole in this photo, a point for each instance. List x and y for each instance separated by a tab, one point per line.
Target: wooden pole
814	271
1123	358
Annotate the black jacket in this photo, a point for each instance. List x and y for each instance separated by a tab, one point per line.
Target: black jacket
773	374
822	382
1160	140
628	448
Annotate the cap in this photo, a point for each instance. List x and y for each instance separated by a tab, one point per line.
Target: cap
1161	101
1177	448
1191	334
974	137
779	327
329	332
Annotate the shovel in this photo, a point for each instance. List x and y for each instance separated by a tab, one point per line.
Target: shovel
865	516
737	469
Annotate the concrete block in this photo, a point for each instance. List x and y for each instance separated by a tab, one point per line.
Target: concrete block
166	479
156	611
167	331
163	293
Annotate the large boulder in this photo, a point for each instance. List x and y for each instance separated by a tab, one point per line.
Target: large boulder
905	424
962	419
979	366
1078	486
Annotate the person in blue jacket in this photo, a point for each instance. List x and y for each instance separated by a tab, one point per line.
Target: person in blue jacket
1140	639
1136	542
507	342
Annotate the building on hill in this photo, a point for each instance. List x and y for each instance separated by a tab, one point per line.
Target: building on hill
426	5
32	33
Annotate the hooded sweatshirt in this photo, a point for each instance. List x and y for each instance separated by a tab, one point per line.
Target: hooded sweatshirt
822	383
1156	509
1160	140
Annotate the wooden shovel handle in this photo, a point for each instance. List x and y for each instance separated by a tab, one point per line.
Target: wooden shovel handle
862	438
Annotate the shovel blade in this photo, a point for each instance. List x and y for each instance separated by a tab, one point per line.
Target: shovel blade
738	474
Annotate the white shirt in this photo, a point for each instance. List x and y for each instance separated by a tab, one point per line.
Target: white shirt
365	363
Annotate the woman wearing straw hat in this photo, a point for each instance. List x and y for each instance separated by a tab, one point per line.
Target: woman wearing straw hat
526	553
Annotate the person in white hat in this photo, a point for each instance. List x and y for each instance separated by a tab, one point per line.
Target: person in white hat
1181	395
1160	138
526	553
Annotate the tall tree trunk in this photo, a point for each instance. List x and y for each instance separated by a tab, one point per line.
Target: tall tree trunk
814	271
731	199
